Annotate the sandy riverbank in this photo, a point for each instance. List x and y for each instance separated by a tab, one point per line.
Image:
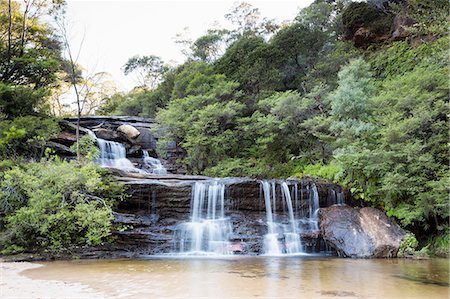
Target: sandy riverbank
13	285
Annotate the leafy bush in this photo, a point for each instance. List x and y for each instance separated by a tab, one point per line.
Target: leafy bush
329	172
439	245
56	205
26	135
408	245
21	100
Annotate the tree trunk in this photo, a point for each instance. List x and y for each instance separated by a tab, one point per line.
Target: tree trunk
8	51
24	28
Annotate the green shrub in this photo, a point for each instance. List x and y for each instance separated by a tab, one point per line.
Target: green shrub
21	101
408	245
56	205
26	136
440	245
329	172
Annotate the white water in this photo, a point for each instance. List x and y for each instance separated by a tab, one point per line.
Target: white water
314	208
271	244
280	238
113	155
154	164
208	230
338	197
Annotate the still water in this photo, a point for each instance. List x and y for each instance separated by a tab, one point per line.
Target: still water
255	277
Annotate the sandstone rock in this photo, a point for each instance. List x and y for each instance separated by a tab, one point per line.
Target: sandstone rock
401	24
60	149
129	131
362	233
107	134
65	138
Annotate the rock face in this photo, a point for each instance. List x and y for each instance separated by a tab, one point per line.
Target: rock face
138	134
360	232
157	207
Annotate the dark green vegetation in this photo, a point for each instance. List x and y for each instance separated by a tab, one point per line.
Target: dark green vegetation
45	204
299	101
352	92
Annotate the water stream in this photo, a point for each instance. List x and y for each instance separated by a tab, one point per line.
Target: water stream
208	230
284	228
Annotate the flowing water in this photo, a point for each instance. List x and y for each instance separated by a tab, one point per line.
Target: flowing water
113	155
283	234
154	164
208	230
254	277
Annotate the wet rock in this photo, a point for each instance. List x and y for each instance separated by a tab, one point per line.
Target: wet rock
360	232
134	151
129	131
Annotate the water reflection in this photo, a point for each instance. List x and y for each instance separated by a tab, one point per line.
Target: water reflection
262	277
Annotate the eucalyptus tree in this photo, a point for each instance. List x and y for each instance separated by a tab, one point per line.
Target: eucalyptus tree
148	70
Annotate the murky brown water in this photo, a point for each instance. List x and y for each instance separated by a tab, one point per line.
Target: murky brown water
255	277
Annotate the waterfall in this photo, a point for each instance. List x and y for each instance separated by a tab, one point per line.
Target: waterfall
292	238
153	163
313	220
208	231
113	155
281	237
271	243
340	198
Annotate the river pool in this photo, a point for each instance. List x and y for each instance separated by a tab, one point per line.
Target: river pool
254	277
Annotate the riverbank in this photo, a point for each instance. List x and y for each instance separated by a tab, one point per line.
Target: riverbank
14	285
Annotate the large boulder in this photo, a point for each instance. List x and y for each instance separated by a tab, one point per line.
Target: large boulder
129	131
360	232
107	134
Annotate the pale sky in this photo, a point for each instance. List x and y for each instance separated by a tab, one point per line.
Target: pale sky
117	30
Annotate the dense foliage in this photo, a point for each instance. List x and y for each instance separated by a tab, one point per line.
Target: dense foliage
56	205
302	101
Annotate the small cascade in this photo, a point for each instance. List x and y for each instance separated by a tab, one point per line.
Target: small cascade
154	164
282	236
271	243
298	205
340	198
292	238
336	197
314	208
113	155
208	231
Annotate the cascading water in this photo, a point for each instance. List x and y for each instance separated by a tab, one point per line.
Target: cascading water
208	231
113	155
281	237
271	243
338	197
154	164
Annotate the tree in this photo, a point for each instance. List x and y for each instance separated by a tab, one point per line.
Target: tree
247	20
29	52
209	47
148	70
73	71
350	103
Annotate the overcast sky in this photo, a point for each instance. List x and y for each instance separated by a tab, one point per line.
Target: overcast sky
116	30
